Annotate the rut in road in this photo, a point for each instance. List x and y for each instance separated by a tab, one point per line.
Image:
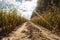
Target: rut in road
30	31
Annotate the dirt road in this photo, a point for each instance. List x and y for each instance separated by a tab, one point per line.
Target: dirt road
17	35
30	31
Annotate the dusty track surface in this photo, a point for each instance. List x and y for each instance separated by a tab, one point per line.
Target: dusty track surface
30	31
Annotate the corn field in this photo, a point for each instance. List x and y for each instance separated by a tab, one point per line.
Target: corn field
49	11
10	20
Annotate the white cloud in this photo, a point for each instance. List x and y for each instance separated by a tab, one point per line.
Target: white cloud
0	0
29	6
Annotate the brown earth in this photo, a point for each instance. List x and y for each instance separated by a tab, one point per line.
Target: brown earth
30	31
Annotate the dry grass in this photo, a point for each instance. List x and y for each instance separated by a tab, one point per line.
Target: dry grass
53	18
10	21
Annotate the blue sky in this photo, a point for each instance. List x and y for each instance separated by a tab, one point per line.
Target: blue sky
19	1
24	7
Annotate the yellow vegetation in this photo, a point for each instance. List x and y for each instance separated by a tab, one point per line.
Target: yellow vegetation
10	21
